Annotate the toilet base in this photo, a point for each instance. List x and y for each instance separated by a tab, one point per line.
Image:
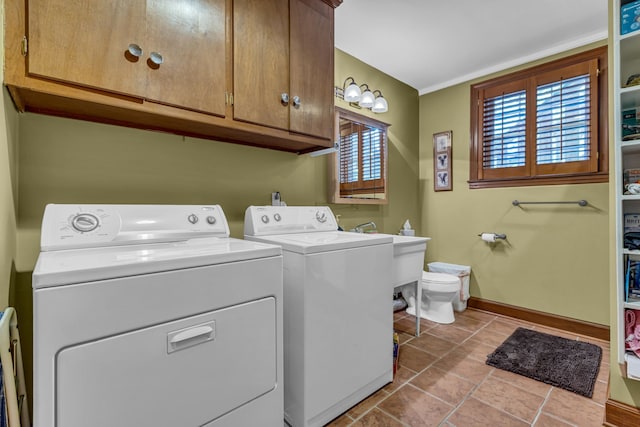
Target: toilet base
436	311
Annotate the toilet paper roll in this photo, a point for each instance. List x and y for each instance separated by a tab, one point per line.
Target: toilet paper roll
489	237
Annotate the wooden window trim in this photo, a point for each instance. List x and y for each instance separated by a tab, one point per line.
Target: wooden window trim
601	157
371	186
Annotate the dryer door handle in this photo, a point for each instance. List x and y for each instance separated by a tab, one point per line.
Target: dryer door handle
184	338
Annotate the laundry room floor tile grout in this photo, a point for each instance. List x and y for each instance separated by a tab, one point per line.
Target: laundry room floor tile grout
442	380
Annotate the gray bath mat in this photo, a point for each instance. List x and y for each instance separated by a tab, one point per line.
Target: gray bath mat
568	364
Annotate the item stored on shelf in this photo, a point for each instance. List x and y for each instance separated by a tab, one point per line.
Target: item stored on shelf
630	176
632	331
632	280
633	80
632	222
630	17
632	241
631	123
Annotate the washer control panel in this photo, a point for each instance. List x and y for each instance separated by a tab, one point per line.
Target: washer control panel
269	220
86	226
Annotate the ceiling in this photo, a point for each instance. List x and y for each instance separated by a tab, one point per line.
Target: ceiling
432	44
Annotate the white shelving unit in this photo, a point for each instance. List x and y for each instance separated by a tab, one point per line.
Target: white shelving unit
626	57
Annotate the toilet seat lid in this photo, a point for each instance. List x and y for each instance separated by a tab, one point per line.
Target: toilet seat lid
440	280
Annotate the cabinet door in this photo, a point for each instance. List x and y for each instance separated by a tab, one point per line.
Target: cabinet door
190	37
85	42
312	68
261	61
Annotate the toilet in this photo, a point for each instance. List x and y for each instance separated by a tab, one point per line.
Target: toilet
438	292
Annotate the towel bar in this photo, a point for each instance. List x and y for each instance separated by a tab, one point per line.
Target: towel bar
582	203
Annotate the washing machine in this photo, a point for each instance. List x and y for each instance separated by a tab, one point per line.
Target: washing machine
338	310
151	315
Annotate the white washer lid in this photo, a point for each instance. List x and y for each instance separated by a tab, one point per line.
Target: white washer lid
65	267
323	241
440	278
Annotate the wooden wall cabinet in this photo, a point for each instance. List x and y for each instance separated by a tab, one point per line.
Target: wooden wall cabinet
205	68
112	45
283	65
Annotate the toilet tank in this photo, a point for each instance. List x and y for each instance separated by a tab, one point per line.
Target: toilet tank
408	258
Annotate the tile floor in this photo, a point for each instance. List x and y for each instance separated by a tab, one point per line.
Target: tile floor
443	380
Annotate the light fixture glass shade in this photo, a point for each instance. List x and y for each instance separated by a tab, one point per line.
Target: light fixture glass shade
380	105
352	93
367	99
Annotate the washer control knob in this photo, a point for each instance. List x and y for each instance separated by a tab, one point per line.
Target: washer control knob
277	217
85	222
211	219
265	219
321	216
193	218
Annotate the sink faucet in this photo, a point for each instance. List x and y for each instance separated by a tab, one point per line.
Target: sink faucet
360	228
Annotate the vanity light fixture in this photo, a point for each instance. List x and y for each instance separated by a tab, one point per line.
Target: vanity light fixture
367	97
379	104
361	96
352	92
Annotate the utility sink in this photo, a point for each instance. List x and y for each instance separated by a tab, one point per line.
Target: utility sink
408	264
408	258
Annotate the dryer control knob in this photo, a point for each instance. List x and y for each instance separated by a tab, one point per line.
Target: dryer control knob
193	218
277	217
211	219
85	222
265	219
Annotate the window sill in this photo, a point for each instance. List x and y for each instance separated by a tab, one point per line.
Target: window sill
544	180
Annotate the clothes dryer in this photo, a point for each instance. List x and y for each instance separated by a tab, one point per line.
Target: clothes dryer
149	315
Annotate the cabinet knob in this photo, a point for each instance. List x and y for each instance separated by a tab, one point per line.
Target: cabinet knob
284	98
296	101
135	50
156	58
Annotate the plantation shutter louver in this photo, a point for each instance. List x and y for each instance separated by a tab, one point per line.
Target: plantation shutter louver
371	154
348	155
563	131
502	134
362	156
566	125
504	131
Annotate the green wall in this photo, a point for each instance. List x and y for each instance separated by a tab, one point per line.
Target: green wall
8	196
70	161
555	259
8	185
7	203
403	180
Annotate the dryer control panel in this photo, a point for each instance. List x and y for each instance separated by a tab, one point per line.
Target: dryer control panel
270	220
88	226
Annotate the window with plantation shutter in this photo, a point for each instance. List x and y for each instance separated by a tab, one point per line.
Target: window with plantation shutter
540	126
371	153
362	154
349	156
503	132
